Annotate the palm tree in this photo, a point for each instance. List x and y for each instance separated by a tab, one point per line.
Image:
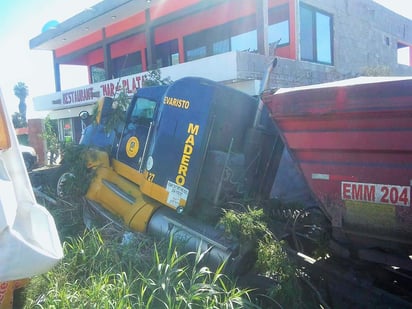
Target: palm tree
22	91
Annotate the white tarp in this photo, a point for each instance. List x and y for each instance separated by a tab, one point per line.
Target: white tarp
29	242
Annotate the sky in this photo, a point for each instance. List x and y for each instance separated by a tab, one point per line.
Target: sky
22	20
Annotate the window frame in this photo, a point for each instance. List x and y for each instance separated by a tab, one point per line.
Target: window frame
125	65
278	15
208	38
315	35
166	53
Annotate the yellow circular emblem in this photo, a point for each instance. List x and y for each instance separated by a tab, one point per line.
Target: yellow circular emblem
132	147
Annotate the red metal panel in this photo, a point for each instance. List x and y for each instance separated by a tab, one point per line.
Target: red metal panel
126	24
167	7
292	30
79	44
217	15
128	45
352	140
95	57
352	144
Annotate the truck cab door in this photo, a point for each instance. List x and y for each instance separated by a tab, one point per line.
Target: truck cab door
135	135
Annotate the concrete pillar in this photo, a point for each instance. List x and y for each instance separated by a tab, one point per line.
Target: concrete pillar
262	26
150	45
56	68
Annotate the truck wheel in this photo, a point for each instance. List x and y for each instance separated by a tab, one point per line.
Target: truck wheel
64	180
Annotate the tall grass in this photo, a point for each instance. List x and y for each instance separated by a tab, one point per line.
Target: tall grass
138	274
103	269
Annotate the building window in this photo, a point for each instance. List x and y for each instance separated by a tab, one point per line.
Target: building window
98	73
65	130
206	43
220	47
127	65
167	54
404	55
278	29
244	42
315	35
279	32
238	35
196	53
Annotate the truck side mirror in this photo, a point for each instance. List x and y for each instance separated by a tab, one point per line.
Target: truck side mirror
84	115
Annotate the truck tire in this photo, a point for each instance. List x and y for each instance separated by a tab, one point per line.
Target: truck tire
60	185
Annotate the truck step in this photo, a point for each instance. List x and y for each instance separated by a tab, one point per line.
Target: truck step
118	191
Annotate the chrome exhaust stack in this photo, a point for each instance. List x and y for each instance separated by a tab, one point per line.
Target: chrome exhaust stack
194	235
263	86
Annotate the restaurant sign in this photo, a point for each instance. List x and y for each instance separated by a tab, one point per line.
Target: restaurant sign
88	94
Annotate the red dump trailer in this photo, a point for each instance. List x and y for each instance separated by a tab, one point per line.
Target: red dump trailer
352	142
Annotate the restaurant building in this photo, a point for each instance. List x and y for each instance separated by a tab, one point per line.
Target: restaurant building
229	41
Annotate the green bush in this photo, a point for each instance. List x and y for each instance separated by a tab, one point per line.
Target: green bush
272	259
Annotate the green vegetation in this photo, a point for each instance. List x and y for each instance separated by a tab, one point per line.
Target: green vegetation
107	267
154	78
21	91
272	259
50	135
76	174
18	121
104	269
118	115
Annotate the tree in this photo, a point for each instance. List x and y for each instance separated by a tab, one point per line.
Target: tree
22	91
154	78
18	121
50	134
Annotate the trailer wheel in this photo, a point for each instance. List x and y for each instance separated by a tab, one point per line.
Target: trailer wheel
309	230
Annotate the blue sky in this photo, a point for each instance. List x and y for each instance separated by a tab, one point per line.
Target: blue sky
22	20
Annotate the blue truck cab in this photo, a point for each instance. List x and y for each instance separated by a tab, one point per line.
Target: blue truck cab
185	144
183	150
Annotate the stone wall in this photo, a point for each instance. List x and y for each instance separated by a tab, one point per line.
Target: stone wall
365	35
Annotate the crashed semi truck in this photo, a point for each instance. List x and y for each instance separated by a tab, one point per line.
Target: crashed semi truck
183	150
188	148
